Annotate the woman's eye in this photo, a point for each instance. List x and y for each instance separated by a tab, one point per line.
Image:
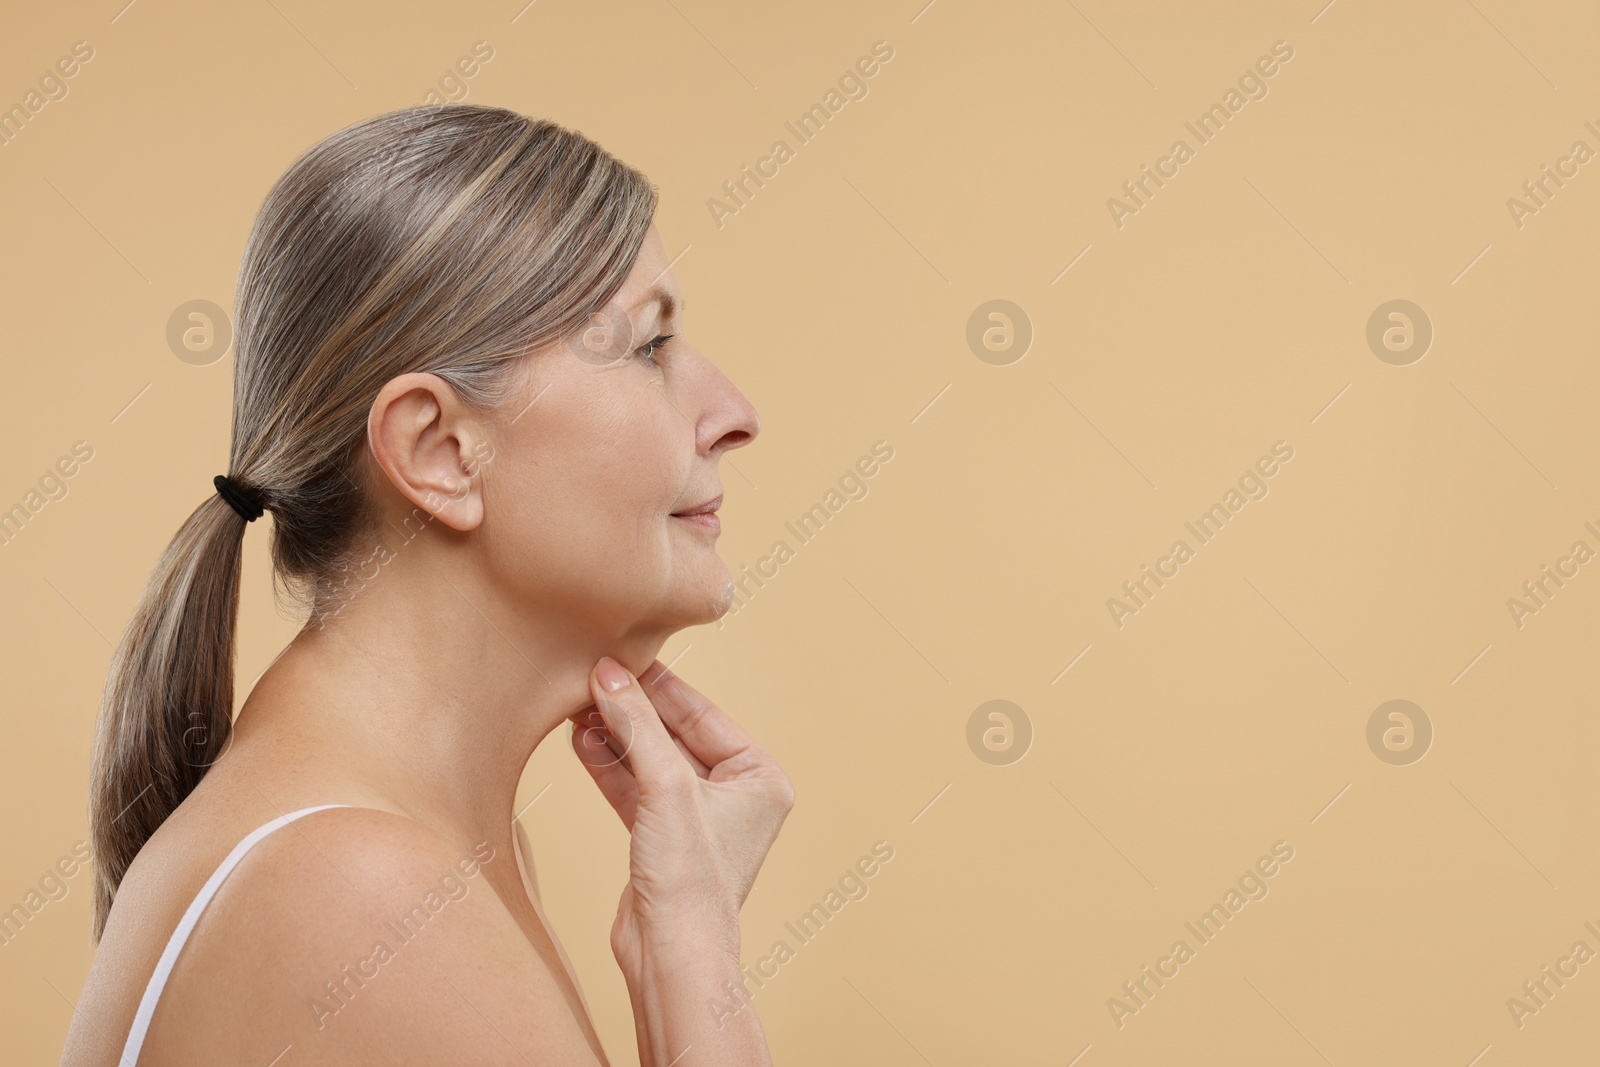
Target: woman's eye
649	350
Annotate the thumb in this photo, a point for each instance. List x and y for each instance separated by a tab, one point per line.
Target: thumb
633	723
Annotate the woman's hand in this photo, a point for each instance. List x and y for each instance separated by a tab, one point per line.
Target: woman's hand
702	801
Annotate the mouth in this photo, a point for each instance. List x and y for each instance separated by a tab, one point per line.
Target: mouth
703	515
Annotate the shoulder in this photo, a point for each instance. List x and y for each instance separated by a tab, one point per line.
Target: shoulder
329	869
358	933
337	849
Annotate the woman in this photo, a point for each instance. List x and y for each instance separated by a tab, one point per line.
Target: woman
463	391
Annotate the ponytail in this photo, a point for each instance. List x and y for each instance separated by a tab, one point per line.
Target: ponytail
167	709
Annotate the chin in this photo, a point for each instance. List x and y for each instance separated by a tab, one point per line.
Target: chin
712	604
723	599
698	603
709	602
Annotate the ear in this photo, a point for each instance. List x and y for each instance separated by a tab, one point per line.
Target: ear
426	439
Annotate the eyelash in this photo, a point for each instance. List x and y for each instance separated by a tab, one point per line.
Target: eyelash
654	344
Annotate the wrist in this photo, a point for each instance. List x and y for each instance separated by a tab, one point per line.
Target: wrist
688	992
694	942
690	925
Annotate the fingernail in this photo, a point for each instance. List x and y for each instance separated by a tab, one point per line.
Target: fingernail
612	675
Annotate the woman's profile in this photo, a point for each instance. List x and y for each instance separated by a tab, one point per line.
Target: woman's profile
464	395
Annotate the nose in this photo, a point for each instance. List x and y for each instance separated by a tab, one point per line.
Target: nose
728	420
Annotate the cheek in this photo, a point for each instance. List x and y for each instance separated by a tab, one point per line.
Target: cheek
634	468
592	488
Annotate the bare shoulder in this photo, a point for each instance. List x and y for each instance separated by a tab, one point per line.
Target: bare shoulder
358	935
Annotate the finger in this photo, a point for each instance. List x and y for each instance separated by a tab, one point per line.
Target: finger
632	719
694	761
589	720
617	749
708	731
616	782
601	747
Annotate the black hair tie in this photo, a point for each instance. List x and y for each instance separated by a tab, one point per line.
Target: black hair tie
247	508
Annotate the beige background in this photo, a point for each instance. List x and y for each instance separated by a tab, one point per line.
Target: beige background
1228	314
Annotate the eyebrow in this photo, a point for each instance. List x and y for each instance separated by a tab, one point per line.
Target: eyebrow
669	305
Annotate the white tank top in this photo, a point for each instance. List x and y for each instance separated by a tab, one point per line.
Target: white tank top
158	980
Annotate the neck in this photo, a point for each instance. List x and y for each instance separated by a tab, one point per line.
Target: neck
427	693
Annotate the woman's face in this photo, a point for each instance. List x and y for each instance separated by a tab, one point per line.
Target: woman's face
611	437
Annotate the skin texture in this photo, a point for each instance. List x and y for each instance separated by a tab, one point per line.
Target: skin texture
547	548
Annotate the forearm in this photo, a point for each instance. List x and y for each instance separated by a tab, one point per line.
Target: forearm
690	1005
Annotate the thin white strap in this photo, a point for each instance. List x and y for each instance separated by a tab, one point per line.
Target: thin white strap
158	980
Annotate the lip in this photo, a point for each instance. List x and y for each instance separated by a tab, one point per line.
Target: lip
706	519
703	515
701	509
